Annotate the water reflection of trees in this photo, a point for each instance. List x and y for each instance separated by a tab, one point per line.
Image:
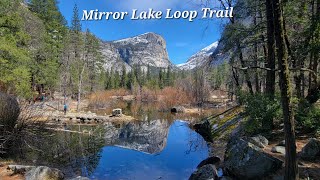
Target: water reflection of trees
195	142
74	153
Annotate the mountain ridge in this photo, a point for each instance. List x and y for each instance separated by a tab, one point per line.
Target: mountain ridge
148	49
199	58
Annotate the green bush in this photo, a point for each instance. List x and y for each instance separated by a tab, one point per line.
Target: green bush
261	111
308	117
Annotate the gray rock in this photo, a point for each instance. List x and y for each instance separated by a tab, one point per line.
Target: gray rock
259	141
44	173
117	112
210	160
204	129
244	160
178	109
206	172
279	149
311	150
9	111
80	178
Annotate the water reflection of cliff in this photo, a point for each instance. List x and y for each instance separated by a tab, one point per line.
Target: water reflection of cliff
145	136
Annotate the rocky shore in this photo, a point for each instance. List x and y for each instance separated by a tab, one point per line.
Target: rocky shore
242	157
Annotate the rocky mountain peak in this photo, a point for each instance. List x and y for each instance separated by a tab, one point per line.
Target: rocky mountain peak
200	57
145	49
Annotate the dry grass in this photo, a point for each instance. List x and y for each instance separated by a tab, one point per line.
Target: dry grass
101	99
167	97
28	130
171	96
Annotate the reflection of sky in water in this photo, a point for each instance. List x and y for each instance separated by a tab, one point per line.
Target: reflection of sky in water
185	149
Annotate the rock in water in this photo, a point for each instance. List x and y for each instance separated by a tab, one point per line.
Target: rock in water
204	129
9	111
80	178
244	160
206	172
210	160
311	150
44	173
178	109
259	141
117	112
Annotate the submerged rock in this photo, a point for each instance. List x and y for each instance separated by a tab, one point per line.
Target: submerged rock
311	150
44	173
206	172
244	160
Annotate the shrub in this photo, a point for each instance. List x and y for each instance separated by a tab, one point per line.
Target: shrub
22	124
102	99
308	116
171	96
261	111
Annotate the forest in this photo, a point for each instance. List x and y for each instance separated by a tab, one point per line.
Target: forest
272	70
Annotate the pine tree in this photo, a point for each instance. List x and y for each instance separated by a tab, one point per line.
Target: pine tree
291	166
79	63
124	80
14	55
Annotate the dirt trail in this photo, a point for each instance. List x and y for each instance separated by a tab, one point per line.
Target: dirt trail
6	174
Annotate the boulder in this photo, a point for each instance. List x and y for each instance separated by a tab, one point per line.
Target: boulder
279	149
178	109
244	160
117	112
44	173
210	160
9	111
259	141
204	129
206	172
311	150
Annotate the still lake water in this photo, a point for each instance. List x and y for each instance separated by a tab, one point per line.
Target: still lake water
176	159
156	146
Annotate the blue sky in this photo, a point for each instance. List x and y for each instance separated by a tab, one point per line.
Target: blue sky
183	38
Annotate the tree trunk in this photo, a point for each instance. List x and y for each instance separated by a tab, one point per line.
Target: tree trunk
271	64
256	75
80	88
245	71
291	167
314	84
